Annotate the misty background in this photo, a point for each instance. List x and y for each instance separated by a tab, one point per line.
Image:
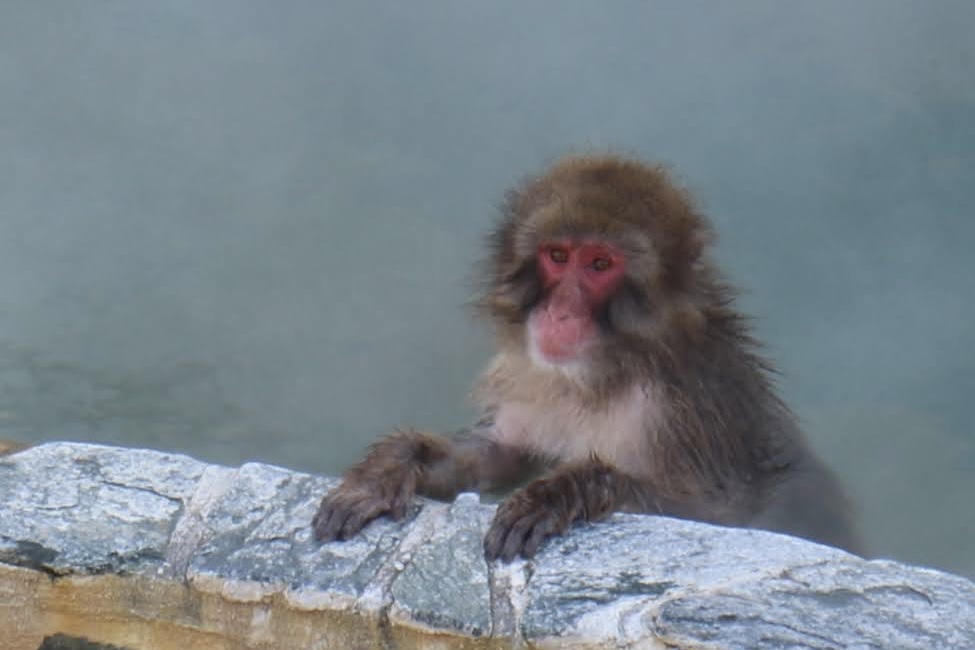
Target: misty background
247	230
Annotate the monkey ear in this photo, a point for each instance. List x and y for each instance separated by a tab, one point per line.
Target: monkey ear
688	257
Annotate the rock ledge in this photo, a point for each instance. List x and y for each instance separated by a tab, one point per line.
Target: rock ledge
146	550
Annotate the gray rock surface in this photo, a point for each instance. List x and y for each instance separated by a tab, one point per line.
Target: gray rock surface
242	536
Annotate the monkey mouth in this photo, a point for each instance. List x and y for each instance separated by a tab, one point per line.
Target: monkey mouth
560	341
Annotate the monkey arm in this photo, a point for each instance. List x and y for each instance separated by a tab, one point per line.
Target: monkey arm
471	460
408	463
586	491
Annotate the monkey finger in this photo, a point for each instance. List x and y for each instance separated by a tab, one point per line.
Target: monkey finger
398	510
331	518
327	523
400	503
319	519
506	537
494	541
543	529
518	534
336	510
511	523
360	516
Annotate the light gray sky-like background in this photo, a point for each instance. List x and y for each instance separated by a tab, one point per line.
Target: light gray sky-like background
245	230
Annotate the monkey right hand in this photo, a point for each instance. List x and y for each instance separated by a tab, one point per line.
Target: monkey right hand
357	501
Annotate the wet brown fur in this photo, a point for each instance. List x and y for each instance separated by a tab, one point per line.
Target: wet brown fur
721	447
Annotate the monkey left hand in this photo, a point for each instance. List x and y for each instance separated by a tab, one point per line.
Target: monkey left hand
547	507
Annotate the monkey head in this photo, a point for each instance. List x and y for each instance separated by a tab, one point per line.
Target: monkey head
597	262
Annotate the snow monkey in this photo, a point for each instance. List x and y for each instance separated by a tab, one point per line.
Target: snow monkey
625	380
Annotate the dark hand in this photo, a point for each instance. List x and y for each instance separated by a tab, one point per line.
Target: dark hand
548	507
529	517
349	507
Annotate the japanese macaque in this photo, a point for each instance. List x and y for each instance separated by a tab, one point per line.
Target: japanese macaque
624	381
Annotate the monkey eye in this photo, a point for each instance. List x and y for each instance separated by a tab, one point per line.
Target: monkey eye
558	255
602	264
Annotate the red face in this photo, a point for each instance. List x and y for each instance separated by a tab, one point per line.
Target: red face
579	277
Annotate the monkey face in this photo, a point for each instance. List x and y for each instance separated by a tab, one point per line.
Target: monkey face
595	264
578	278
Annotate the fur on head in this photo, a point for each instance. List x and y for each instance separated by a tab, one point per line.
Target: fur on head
634	207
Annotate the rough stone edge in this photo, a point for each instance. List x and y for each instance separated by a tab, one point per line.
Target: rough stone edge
507	582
